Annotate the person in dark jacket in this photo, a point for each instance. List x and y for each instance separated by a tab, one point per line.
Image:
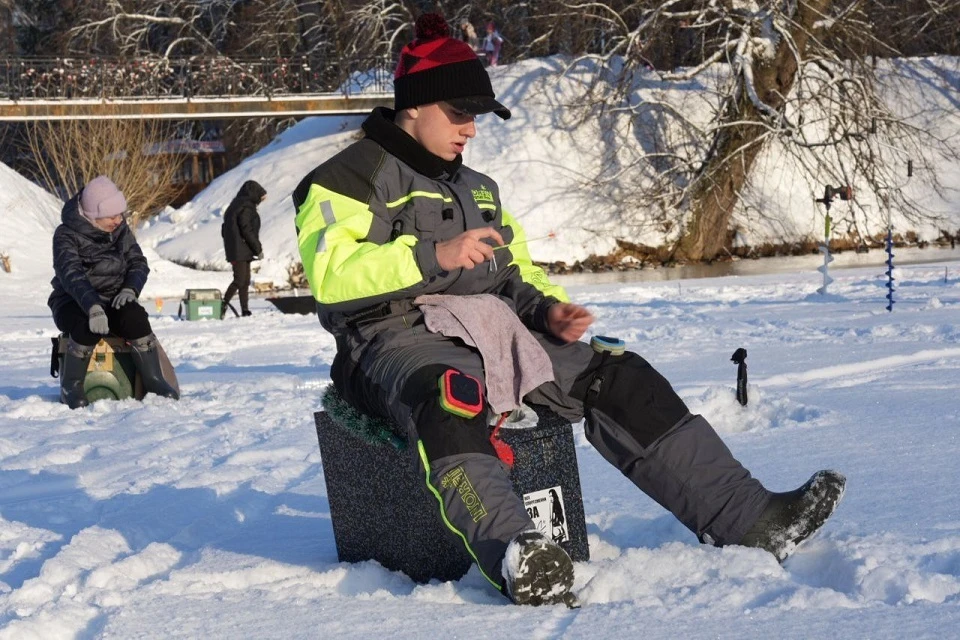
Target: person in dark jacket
396	224
99	273
241	240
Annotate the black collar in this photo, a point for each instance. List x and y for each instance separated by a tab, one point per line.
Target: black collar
380	128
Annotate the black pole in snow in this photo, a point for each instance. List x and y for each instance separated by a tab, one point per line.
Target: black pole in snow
740	357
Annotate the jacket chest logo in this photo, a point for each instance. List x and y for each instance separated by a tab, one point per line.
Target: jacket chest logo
482	195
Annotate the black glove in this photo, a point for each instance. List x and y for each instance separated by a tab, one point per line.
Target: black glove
98	320
126	295
260	256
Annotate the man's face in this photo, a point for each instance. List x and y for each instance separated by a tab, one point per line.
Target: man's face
441	129
108	224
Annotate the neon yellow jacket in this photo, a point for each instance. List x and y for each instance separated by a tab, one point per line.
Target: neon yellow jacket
368	221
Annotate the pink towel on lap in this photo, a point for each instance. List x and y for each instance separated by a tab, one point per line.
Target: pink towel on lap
513	360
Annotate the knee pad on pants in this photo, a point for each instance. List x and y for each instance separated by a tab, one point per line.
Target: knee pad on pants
449	411
628	390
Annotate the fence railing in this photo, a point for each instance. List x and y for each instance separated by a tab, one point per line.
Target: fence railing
24	79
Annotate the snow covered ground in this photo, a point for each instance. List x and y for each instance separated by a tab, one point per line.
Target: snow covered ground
209	517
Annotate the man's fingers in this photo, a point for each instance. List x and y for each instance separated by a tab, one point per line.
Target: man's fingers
468	249
475	257
487	232
476	253
578	325
576	314
485	250
581	314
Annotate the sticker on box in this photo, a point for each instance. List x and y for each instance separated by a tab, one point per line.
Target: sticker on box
546	509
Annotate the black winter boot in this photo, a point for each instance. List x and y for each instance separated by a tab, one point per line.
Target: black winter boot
244	295
74	372
792	517
147	358
536	571
225	303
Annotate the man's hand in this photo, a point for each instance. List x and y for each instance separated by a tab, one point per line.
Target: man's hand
568	321
468	249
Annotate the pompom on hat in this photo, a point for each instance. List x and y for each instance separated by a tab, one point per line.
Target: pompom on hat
438	68
102	199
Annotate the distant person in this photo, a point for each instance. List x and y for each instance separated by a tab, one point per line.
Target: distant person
492	43
241	241
395	224
99	273
470	36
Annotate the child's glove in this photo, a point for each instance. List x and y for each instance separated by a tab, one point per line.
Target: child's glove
98	321
126	295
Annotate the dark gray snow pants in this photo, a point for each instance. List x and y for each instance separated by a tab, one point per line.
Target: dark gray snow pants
633	418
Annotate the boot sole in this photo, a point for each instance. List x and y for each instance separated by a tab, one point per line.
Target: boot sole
544	576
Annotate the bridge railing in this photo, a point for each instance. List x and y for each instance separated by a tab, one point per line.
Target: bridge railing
24	79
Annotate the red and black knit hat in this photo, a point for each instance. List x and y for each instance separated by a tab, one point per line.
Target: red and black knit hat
435	67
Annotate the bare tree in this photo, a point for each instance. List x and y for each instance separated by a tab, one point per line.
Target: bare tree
789	72
914	27
69	154
177	28
329	39
284	28
7	31
35	27
379	27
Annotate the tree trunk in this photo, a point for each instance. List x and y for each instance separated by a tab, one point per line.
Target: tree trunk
717	187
